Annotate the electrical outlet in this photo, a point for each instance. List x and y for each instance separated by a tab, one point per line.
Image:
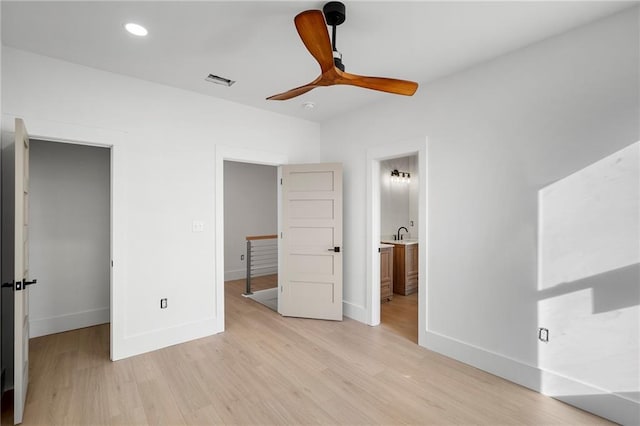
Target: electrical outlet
242	257
163	303
543	334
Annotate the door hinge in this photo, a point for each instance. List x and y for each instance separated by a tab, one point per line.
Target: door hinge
281	235
280	181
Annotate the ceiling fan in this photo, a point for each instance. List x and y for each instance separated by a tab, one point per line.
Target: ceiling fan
312	29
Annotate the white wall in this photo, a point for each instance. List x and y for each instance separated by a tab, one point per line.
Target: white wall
497	133
589	275
398	201
163	160
250	208
69	236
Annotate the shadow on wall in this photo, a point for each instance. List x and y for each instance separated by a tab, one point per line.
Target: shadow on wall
610	291
589	286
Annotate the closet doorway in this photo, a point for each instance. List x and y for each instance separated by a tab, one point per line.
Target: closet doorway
70	240
67	218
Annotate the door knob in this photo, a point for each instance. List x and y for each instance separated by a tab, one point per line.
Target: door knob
26	283
20	284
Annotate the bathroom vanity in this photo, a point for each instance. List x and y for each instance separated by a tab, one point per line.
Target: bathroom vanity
386	272
405	266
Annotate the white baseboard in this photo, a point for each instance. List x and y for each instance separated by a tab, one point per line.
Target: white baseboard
587	397
238	274
158	339
60	323
353	311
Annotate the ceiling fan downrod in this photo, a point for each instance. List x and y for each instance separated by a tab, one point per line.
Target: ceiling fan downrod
335	14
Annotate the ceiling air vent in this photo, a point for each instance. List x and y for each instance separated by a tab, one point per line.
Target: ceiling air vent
219	80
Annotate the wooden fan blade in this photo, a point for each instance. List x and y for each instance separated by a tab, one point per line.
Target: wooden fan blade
292	93
313	31
389	85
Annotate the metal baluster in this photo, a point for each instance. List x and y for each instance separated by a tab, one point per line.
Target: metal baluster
248	285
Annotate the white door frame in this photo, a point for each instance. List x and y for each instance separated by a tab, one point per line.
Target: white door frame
70	134
228	153
416	146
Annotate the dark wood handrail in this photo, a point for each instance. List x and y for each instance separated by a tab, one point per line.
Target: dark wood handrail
261	237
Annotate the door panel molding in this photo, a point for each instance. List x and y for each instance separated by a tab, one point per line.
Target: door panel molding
311	270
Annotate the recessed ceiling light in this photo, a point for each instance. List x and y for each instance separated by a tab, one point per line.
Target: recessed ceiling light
136	29
308	105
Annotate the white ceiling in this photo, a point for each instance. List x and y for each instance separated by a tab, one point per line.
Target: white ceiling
256	43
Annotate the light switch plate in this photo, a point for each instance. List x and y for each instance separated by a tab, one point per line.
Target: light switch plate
198	226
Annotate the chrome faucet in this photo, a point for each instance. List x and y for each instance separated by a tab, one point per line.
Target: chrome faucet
399	229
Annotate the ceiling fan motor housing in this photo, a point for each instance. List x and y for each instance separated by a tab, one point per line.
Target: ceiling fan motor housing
334	13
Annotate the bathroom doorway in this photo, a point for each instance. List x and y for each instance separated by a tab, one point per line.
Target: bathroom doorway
399	248
397	238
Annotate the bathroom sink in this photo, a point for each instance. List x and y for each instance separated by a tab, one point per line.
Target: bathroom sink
407	241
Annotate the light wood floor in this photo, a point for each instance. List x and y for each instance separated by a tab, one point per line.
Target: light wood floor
400	316
266	369
257	283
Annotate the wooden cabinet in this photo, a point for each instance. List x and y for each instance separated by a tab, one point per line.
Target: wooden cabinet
386	274
405	272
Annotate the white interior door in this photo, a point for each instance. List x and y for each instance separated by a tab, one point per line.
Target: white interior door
21	271
311	244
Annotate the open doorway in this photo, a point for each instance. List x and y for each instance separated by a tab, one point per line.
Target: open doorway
323	178
250	228
70	237
67	218
399	247
410	157
223	154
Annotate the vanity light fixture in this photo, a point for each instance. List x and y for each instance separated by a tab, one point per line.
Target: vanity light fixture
402	177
